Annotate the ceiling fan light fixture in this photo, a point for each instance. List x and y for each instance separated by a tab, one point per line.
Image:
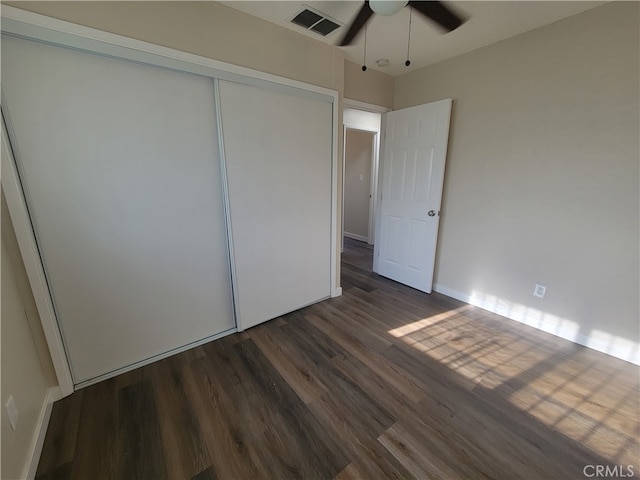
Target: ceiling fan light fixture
387	7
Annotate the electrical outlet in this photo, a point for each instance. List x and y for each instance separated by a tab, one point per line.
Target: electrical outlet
540	290
12	412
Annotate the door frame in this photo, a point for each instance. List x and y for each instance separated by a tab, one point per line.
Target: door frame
57	32
29	252
375	161
375	142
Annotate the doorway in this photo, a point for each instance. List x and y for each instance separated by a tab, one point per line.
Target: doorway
358	195
415	146
362	123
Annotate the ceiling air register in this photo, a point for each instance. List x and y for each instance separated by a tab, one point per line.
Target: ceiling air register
315	21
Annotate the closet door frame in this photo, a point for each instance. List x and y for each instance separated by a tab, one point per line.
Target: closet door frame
37	27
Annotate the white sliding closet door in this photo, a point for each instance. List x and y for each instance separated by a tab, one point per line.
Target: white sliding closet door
120	167
278	152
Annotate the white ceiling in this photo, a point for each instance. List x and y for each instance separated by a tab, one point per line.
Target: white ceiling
488	22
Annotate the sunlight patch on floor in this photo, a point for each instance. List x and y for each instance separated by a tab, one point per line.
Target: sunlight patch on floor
425	322
551	383
577	404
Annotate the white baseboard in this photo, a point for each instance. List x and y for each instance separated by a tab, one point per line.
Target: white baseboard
337	292
53	394
618	347
356	237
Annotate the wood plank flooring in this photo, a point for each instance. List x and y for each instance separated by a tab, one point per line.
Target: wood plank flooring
382	382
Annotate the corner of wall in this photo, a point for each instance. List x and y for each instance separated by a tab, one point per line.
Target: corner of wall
372	86
27	373
53	395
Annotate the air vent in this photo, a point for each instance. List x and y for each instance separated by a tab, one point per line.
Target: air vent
315	21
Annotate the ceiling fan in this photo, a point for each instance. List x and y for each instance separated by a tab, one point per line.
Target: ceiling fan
435	11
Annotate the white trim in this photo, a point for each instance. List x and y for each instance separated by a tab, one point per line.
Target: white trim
33	26
33	266
354	236
378	190
355	126
336	289
367	107
225	202
373	206
344	169
618	347
53	394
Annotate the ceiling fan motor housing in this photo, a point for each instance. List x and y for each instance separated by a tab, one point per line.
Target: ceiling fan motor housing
387	7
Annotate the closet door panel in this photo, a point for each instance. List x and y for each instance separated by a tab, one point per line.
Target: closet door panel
120	167
278	151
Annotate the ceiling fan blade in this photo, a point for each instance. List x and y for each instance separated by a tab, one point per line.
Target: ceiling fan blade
437	12
358	23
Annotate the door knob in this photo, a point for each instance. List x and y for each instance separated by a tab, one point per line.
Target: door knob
432	213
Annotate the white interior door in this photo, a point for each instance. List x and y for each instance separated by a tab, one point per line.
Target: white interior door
278	156
119	162
413	160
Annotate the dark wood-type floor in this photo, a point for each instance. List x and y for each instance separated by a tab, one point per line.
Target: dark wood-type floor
383	382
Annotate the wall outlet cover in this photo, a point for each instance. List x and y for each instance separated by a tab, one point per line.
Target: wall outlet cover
540	290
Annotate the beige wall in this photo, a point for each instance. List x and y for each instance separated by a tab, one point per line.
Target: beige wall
358	152
216	31
211	30
370	87
27	372
542	171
